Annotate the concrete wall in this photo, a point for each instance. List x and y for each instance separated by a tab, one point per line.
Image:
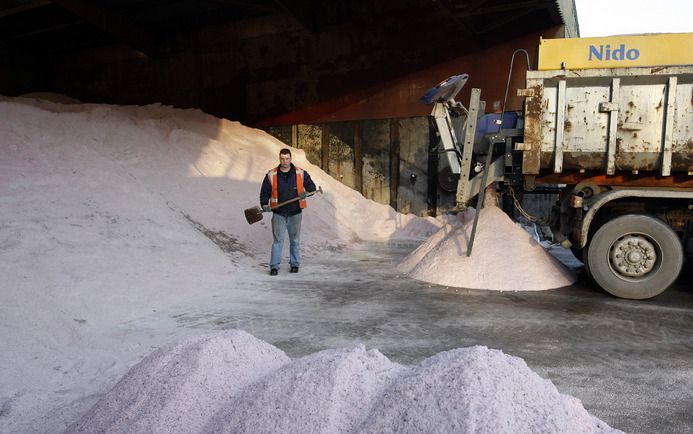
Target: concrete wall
386	160
412	191
376	160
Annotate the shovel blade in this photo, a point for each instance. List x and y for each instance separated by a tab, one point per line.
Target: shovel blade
253	215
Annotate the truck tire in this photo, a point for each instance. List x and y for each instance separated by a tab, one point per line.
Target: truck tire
585	262
635	256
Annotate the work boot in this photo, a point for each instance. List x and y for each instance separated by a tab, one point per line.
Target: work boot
294	269
274	272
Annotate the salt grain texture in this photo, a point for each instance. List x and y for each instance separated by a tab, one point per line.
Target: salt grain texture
477	390
177	389
325	392
468	390
112	214
504	257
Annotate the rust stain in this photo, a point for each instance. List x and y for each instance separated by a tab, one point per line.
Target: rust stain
533	130
568	126
626	180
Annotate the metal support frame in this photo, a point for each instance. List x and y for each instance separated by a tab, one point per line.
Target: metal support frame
560	128
463	191
112	23
613	125
669	127
494	170
441	116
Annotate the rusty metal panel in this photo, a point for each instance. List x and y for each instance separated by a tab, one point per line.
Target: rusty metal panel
376	160
533	127
682	135
412	187
636	98
584	128
309	138
641	120
341	153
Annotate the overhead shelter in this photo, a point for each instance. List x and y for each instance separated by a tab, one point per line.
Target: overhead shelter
259	60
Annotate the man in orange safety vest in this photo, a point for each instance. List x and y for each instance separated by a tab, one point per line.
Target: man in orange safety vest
282	183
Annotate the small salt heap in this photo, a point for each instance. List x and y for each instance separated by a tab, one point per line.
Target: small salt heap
504	257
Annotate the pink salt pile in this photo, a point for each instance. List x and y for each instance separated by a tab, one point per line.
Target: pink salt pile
234	383
504	258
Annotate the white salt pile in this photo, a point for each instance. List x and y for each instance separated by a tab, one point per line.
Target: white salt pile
112	214
234	383
178	388
205	168
504	257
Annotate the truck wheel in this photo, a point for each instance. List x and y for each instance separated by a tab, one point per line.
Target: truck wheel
585	262
635	256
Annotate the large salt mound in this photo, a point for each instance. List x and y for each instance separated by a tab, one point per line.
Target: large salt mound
234	383
199	167
504	258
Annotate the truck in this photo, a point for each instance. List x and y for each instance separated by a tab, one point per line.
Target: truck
608	124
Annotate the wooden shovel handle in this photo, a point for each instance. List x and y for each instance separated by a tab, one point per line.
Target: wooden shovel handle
319	190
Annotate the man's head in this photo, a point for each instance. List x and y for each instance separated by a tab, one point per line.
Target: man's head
285	158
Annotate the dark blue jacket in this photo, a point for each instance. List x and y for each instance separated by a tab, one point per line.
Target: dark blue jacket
286	189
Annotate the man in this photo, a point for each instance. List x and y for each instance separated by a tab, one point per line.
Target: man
282	183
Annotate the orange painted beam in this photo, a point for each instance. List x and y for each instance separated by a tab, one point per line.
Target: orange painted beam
399	98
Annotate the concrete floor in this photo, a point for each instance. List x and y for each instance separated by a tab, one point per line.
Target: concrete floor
630	362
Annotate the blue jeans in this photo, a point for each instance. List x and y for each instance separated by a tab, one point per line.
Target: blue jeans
280	225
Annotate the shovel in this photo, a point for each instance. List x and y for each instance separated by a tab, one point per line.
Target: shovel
254	214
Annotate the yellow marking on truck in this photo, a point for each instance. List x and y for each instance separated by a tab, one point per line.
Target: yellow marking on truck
616	51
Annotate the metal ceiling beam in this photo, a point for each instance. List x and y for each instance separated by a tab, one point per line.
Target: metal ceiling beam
449	10
302	11
507	19
25	7
45	30
246	5
111	23
504	8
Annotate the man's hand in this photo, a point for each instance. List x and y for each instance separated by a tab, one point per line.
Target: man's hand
266	208
302	195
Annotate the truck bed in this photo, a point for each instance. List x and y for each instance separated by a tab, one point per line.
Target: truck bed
611	120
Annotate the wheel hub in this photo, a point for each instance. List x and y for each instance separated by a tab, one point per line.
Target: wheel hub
633	256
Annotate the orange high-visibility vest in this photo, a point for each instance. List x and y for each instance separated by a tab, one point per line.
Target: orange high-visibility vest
274	197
